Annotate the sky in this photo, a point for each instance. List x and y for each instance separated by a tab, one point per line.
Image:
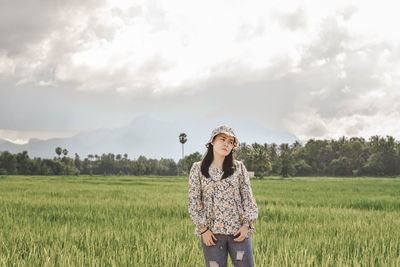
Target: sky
315	69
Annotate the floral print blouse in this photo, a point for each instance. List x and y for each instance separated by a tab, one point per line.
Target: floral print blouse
222	205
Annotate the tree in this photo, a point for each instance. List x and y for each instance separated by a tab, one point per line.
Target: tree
374	165
259	160
357	153
107	163
340	166
65	152
286	161
140	166
383	158
318	154
274	158
23	163
182	139
8	163
389	155
77	162
243	153
58	151
166	167
184	164
302	168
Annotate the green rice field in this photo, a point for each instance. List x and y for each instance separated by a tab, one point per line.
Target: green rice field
144	221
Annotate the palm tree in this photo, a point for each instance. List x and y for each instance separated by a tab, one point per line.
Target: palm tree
58	151
295	146
286	160
182	139
274	157
260	162
65	152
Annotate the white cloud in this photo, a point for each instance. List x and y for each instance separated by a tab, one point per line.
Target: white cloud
316	69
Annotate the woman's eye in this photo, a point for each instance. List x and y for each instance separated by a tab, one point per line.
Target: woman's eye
223	139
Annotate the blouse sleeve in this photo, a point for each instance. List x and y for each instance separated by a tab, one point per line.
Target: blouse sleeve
195	204
249	203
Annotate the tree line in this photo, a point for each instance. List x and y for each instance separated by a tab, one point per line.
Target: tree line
355	156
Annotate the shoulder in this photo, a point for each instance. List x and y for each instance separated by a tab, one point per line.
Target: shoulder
196	165
241	168
238	163
195	170
238	166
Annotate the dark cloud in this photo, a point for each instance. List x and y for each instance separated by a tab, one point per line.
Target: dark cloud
26	23
32	107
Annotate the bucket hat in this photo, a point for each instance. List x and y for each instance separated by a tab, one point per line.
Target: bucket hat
226	129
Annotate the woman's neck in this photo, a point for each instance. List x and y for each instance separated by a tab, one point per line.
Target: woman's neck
217	161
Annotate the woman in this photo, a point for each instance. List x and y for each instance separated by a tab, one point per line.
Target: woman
221	203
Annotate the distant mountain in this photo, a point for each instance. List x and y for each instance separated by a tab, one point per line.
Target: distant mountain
149	137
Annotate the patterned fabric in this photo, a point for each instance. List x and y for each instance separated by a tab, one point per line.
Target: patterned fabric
222	205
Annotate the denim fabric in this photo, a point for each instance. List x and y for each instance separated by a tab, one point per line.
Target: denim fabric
241	253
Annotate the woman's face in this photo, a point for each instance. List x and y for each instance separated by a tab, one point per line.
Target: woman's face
223	144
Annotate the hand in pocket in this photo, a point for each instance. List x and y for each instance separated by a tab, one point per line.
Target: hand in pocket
208	238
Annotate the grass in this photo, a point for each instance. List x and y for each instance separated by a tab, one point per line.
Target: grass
143	221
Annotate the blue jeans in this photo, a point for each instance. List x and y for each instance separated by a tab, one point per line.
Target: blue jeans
241	253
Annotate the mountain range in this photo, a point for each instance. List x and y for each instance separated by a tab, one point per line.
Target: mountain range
149	137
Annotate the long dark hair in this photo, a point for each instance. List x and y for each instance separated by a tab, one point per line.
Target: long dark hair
228	166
